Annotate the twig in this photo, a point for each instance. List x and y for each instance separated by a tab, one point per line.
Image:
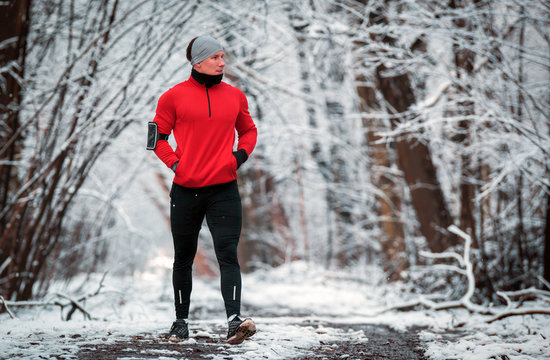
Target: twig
5	264
99	287
528	292
75	305
543	281
7	308
515	312
443	255
506	298
30	303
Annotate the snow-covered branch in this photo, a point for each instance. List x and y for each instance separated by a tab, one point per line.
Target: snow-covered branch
75	304
466	268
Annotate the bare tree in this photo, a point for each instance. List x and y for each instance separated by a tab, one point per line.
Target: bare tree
380	123
13	39
390	204
546	256
414	157
464	59
72	123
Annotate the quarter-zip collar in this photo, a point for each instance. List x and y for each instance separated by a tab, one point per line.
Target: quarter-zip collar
207	81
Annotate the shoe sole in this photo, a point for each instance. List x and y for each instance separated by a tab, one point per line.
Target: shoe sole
244	331
174	338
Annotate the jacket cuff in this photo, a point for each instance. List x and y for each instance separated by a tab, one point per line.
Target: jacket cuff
241	156
174	166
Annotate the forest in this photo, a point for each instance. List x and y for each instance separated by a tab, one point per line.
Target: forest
404	135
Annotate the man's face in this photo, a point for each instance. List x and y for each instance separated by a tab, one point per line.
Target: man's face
213	65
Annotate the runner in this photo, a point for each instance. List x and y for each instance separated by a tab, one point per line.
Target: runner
203	114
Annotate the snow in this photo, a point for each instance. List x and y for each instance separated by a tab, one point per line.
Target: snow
516	337
300	305
296	307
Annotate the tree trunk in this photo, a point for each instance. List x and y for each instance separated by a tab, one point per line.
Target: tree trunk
520	236
338	238
547	241
393	239
464	59
13	34
14	26
414	159
265	224
464	62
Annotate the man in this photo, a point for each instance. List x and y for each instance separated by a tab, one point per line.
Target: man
203	113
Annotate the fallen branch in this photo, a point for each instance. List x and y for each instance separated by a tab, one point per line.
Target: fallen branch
7	308
515	312
530	292
76	304
465	268
511	311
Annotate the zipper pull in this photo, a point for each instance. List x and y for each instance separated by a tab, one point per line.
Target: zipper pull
208	98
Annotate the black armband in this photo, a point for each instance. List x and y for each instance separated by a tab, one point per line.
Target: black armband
153	135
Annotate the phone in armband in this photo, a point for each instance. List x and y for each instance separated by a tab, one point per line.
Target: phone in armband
152	131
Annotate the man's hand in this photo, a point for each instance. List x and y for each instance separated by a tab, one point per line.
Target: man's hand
174	167
241	156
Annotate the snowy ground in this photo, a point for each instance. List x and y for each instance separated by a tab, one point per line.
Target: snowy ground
302	312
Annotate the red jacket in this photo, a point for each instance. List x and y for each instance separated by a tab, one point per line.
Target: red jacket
204	122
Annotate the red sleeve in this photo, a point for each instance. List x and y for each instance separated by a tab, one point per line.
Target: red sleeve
246	129
165	118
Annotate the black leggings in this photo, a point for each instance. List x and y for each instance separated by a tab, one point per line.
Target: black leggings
221	204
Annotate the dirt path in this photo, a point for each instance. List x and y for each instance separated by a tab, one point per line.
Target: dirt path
383	343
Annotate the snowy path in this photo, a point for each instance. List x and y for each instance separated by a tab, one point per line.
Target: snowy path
278	338
301	313
326	341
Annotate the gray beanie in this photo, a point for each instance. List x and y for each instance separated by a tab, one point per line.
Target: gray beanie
203	47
